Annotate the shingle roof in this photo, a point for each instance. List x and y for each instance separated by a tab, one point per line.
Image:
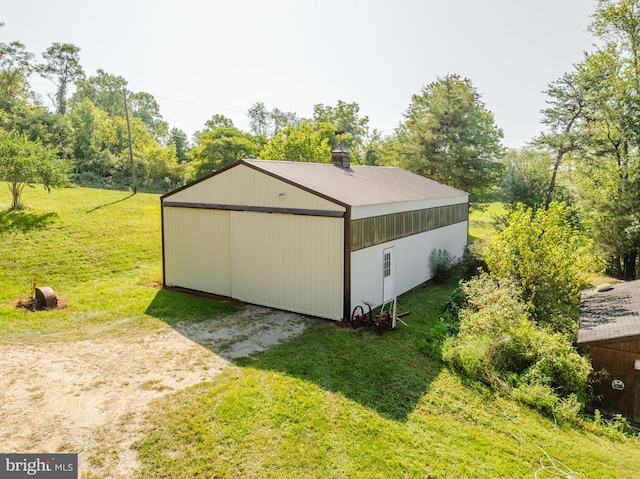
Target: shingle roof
611	315
358	185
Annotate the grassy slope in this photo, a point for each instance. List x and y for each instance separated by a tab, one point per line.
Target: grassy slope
99	250
332	403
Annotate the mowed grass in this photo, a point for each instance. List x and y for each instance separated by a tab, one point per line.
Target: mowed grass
343	403
99	250
333	402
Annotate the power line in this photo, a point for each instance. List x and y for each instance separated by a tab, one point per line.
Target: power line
201	105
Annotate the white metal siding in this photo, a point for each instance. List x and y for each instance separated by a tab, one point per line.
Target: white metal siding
452	238
196	249
411	262
289	262
390	208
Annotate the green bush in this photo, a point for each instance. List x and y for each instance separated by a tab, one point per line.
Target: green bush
472	262
492	305
471	358
500	345
441	263
546	255
456	300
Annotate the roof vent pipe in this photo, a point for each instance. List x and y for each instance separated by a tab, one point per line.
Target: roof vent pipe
340	155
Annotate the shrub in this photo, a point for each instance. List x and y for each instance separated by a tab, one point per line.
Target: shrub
441	263
616	428
472	262
491	305
471	358
500	345
546	255
456	300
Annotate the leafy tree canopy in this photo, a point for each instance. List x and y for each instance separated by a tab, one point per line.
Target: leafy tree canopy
220	146
145	107
180	141
104	90
593	125
301	143
26	163
526	179
546	254
62	66
267	123
451	137
345	117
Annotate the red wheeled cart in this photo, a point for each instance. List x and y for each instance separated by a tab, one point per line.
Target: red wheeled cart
384	320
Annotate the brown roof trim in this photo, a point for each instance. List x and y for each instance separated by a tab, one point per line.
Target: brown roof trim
261	170
258	209
293	183
599	342
206	177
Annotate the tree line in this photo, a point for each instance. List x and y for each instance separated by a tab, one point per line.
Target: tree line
573	196
87	127
586	156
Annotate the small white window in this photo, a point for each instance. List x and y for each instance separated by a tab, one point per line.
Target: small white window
387	265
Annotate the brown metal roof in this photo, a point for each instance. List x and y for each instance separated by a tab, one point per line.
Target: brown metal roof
358	185
610	316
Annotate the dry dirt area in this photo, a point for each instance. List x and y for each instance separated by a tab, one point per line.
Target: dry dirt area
89	397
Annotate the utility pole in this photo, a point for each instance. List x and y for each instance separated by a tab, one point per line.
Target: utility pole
133	166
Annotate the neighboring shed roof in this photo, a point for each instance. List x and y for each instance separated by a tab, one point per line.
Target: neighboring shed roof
358	185
611	315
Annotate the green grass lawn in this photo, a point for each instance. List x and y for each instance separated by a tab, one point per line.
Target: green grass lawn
99	250
333	402
482	222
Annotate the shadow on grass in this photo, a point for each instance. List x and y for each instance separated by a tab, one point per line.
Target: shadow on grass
388	373
111	203
23	221
176	308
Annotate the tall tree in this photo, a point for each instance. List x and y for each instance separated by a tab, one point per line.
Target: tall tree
282	119
345	117
180	142
62	67
567	111
218	121
95	143
451	137
104	90
145	107
267	123
15	68
526	178
609	163
259	120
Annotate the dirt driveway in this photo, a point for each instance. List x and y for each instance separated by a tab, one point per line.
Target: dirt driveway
89	397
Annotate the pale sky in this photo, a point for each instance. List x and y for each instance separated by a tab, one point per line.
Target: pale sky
199	58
